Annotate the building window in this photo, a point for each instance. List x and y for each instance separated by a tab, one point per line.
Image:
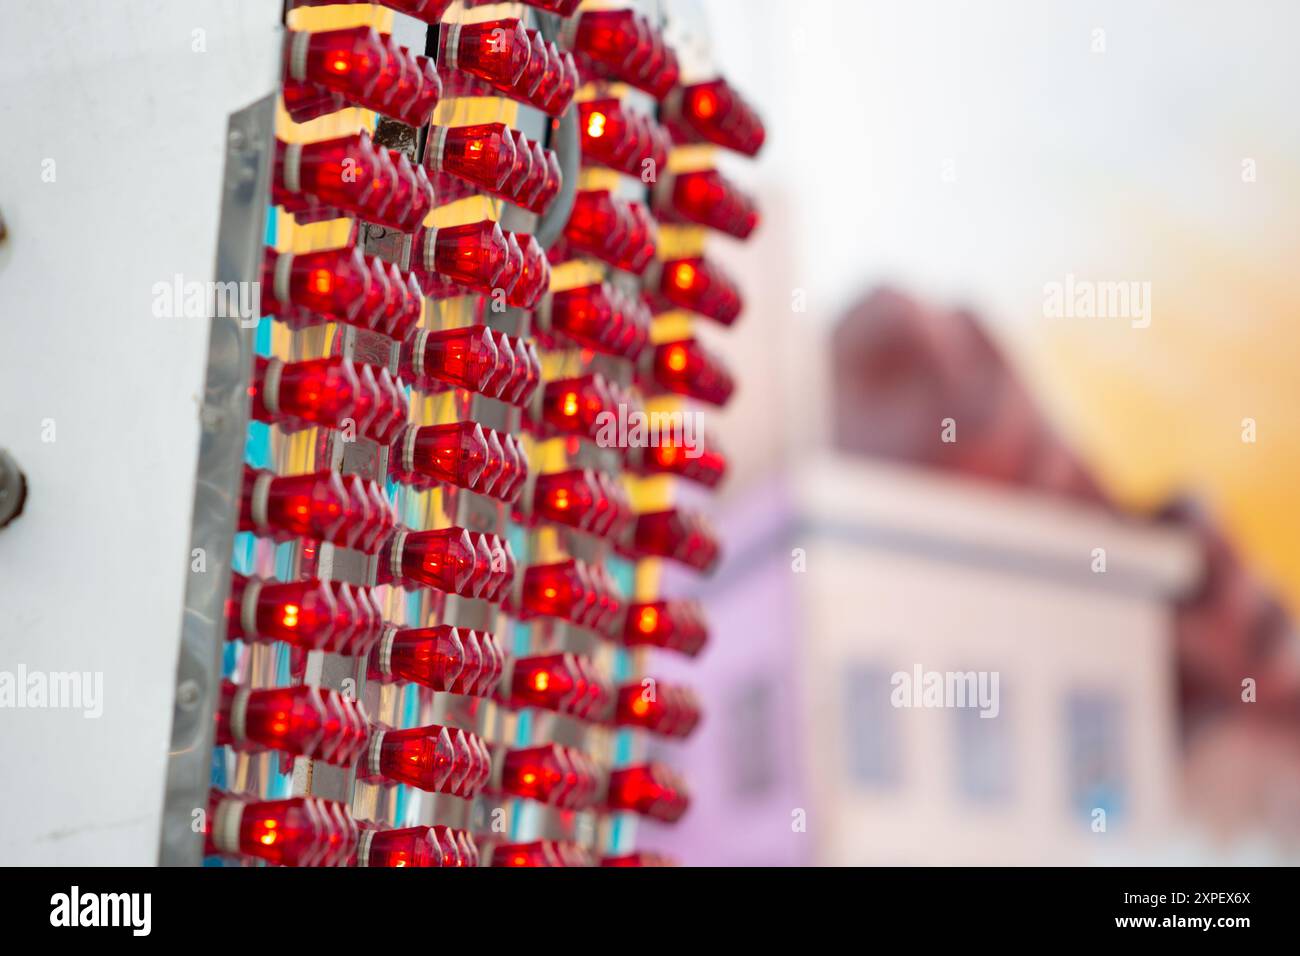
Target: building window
1094	727
984	758
871	727
751	733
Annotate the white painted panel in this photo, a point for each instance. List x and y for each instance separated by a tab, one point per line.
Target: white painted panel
133	117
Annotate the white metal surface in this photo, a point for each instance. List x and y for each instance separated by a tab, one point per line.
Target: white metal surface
115	117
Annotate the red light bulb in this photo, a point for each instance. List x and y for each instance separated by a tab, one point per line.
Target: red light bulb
432	657
441	559
483	154
421	757
496	51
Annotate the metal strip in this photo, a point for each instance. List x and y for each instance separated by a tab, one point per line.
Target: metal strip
218	479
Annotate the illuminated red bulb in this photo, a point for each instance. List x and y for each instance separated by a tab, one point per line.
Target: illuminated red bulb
349	62
407	87
432	657
699	285
421	757
597	222
708	198
496	50
547	682
465	357
550	187
714	112
337	172
687	368
650	790
565	497
638	247
323	391
301	831
609	37
574	406
519	372
360	519
290	719
538	853
483	154
441	559
315	506
562	590
582	313
383	186
508	471
380	520
462	757
332	282
405	847
535	274
493	665
674	625
538	773
603	131
305	101
472	254
389	407
301	613
454	454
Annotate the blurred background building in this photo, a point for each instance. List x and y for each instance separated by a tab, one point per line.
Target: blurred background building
936	170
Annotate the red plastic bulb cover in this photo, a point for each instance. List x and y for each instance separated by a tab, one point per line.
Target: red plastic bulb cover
301	831
465	357
454	454
548	681
301	613
421	757
678	534
349	62
315	506
673	625
432	657
334	283
472	254
687	368
442	559
404	847
651	790
706	197
496	50
483	154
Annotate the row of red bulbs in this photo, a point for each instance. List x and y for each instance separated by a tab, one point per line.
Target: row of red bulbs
475	358
464	454
304	720
320	506
547	82
329	392
617	231
326	71
351	175
309	614
621	139
622	45
342	284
